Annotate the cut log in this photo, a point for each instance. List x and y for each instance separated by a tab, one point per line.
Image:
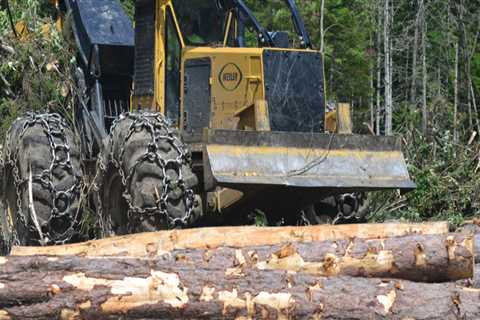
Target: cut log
171	288
430	258
473	227
139	245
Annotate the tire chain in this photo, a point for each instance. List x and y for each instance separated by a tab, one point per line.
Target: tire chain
54	126
154	123
358	198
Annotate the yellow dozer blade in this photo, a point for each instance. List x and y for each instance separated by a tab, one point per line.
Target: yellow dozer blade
239	159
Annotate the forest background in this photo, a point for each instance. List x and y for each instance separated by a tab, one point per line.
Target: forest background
407	67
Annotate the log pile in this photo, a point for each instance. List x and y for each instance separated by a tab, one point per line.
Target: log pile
390	271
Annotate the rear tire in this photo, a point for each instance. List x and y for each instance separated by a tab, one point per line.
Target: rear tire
345	208
144	180
43	182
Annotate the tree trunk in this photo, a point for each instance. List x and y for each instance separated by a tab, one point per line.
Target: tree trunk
424	71
322	47
237	237
372	88
413	86
379	69
388	69
173	287
455	104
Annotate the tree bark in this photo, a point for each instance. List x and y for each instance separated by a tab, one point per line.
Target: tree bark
379	68
171	287
237	237
413	86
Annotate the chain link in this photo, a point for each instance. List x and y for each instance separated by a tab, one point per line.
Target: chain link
356	198
160	131
54	127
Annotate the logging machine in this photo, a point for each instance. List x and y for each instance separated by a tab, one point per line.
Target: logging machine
196	113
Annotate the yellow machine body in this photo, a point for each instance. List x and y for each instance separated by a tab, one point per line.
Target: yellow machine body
240	147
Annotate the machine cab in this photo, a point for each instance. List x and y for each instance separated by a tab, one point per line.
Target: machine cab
211	64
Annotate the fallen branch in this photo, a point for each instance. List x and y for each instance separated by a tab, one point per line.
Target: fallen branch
7	49
170	288
139	245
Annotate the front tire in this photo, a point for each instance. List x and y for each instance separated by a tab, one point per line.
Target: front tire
144	180
43	182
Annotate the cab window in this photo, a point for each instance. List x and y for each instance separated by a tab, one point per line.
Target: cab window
173	58
202	22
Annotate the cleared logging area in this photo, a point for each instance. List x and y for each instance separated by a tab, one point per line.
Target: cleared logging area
391	271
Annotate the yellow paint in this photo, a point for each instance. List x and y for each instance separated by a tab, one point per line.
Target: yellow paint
3	260
241	151
344	119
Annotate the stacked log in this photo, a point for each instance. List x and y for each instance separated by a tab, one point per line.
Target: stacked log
112	288
322	272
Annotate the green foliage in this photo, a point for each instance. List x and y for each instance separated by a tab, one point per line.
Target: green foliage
446	174
37	75
129	7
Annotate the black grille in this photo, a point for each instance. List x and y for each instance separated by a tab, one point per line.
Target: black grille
294	90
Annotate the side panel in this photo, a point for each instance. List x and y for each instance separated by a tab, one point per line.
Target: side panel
235	81
294	90
197	94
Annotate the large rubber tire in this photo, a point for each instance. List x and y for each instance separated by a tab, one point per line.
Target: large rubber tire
42	168
345	208
143	162
5	230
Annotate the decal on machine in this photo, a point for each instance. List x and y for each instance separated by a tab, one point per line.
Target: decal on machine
230	77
